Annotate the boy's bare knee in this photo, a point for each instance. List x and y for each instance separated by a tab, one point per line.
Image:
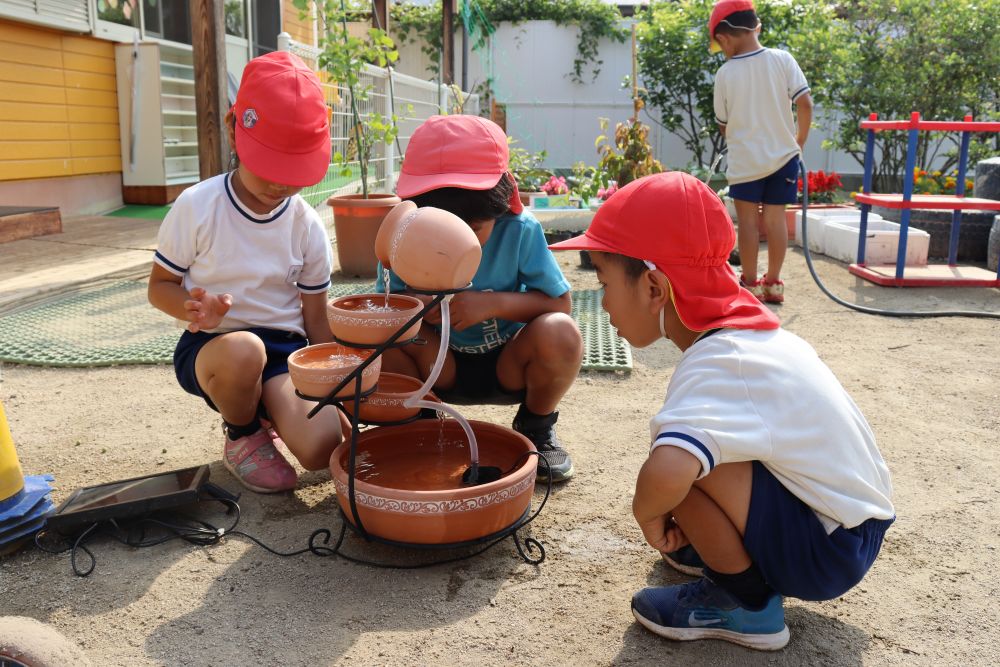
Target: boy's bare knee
560	341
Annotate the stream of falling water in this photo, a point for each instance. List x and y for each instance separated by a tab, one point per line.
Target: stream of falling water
385	281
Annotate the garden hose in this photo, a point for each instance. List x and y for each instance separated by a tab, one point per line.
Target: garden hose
854	306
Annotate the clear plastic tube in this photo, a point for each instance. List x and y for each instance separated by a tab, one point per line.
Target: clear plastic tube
415	400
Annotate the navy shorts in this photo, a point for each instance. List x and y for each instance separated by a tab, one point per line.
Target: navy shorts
788	543
476	380
781	187
277	344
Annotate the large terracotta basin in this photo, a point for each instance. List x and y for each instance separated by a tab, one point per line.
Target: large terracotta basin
316	370
386	404
408	482
364	319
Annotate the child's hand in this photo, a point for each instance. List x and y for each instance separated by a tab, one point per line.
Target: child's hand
675	537
470	308
204	310
663	534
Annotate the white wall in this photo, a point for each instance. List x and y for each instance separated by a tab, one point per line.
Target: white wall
546	110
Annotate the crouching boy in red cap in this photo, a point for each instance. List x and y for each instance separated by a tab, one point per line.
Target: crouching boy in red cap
763	478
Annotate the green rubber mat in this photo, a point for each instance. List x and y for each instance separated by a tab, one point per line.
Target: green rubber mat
113	324
139	211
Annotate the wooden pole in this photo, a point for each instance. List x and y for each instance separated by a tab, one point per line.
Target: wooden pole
208	39
448	42
380	15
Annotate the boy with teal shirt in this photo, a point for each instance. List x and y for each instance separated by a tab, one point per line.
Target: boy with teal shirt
512	338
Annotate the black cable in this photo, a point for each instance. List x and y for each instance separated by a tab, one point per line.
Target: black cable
868	310
201	533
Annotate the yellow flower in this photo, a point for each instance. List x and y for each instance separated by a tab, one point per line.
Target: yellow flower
937	173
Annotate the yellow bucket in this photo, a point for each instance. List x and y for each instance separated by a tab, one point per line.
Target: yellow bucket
11	477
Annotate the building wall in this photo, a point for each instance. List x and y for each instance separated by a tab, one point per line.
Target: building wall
301	30
58	104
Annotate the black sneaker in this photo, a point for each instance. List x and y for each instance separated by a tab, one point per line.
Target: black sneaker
542	433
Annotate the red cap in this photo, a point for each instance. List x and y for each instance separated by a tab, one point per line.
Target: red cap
721	10
676	222
455	152
282	121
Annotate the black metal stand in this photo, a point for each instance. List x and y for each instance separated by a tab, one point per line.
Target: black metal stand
526	547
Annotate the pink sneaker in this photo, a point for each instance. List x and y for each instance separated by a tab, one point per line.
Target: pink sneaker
257	464
755	287
773	292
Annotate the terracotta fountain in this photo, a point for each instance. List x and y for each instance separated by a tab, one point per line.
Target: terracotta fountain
414	481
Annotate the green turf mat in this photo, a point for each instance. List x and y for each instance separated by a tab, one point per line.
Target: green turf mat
113	324
137	211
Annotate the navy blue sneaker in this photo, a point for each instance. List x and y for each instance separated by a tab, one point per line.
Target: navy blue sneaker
703	610
686	560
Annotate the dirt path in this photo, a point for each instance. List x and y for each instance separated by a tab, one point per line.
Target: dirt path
929	388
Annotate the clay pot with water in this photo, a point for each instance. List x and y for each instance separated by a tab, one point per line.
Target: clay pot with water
429	248
409	481
387	403
317	369
371	319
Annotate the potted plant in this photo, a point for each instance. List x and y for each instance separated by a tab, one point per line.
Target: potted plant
528	172
630	157
356	217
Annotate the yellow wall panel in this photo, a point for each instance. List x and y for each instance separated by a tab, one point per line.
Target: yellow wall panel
88	46
58	104
93	148
78	131
29	150
90	81
96	165
26	92
301	30
84	63
25	169
21	73
31	111
26	131
92	98
79	114
27	54
20	33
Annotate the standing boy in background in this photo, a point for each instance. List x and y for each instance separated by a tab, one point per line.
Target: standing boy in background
754	91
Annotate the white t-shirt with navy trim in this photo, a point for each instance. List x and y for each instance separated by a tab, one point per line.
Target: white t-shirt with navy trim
744	395
753	99
211	239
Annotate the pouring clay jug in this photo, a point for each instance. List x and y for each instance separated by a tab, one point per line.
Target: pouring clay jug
429	248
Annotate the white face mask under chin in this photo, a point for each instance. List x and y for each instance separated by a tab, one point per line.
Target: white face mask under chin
663	311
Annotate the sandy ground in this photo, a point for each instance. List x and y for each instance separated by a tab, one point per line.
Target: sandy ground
929	388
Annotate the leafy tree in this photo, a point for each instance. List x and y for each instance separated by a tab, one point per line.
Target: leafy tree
343	58
678	72
939	58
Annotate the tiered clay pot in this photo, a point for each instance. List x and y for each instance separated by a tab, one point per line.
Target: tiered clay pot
363	319
317	369
386	404
429	248
408	483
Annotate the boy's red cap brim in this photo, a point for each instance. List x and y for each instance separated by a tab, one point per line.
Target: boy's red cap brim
676	222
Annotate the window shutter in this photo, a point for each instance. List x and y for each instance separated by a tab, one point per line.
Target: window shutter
65	14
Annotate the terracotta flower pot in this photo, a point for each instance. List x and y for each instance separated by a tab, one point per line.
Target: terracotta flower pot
315	370
429	248
408	488
356	222
364	319
386	404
